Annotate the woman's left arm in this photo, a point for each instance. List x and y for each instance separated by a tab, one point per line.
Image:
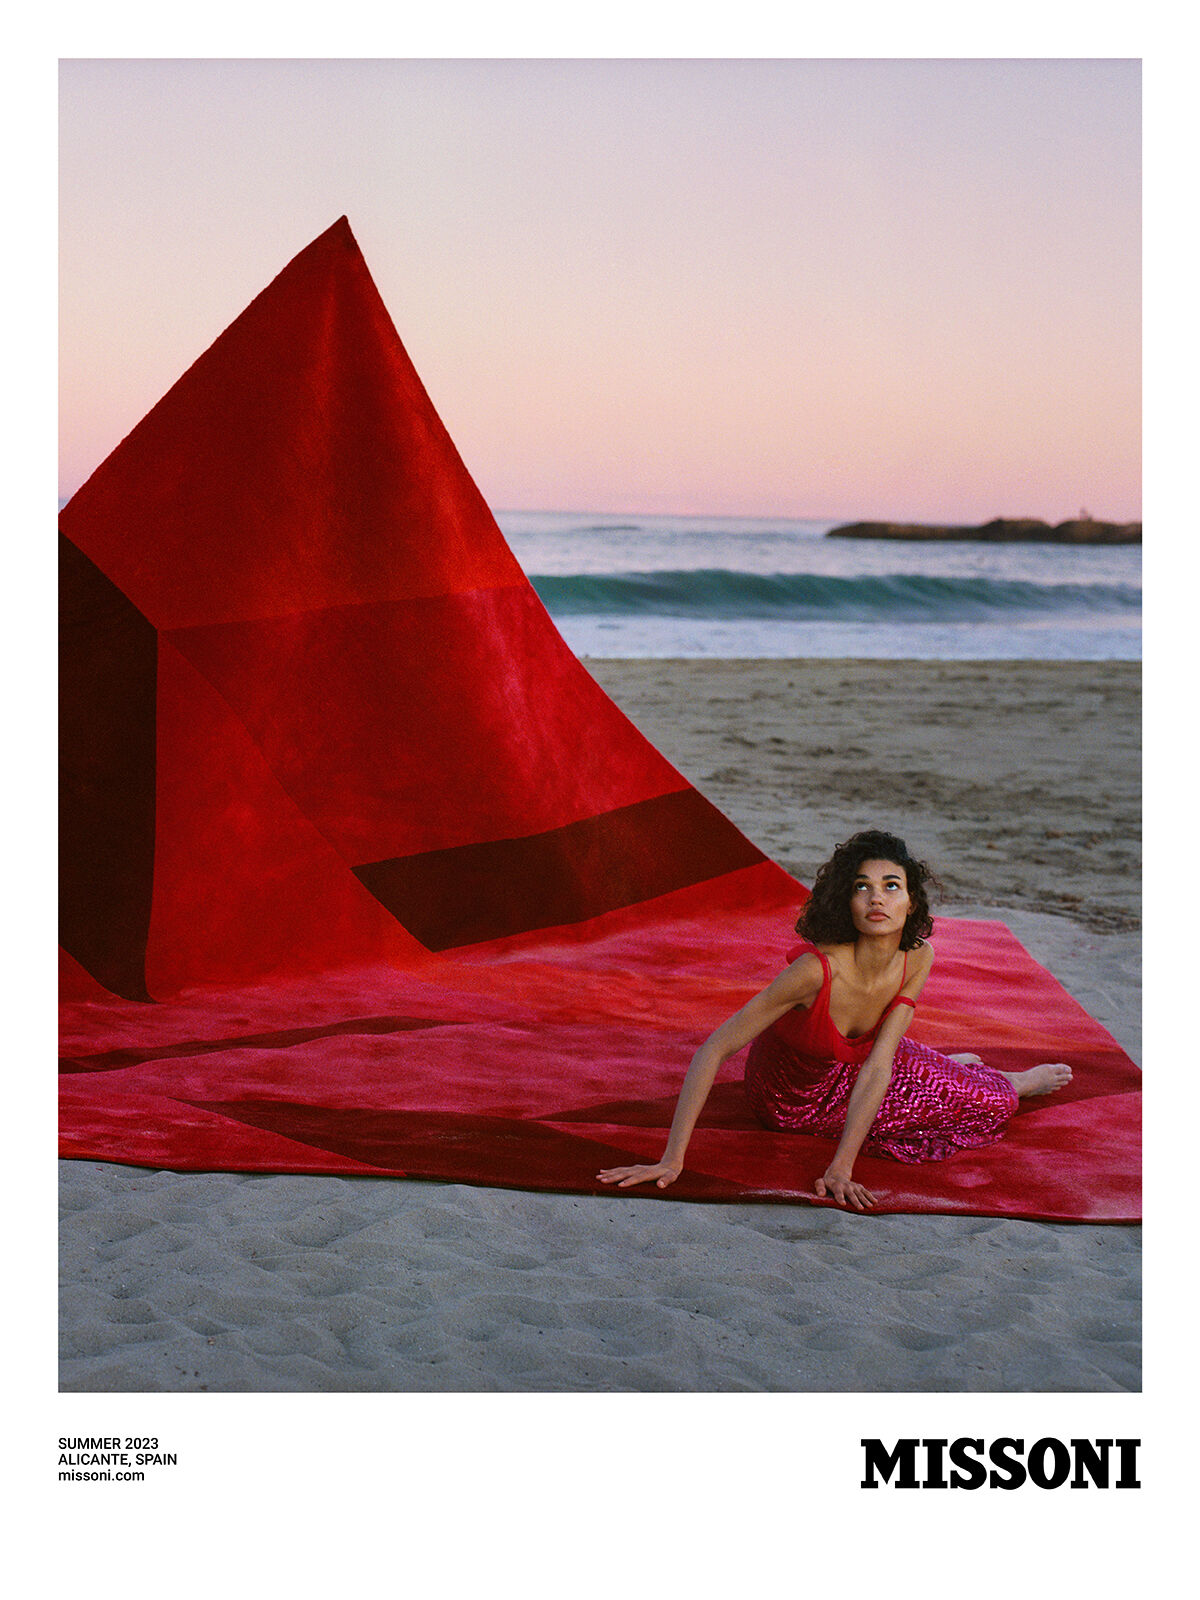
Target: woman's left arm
866	1097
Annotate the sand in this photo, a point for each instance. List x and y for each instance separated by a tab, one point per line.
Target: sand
1019	782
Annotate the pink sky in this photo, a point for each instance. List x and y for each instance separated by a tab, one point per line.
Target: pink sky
885	288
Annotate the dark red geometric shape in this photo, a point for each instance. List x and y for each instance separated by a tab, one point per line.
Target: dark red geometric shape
480	892
276	1039
450	1146
108	660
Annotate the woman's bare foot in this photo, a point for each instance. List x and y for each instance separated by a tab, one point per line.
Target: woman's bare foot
968	1060
1045	1079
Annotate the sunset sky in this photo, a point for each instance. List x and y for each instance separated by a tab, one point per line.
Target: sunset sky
811	288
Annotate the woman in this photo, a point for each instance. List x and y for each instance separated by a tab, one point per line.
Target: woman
829	1054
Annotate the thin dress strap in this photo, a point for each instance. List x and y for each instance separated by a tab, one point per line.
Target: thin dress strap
901	999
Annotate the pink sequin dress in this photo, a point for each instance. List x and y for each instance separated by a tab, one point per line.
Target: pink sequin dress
800	1071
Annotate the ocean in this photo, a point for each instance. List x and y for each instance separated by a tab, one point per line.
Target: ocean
662	586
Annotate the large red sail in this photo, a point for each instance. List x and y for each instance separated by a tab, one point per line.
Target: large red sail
362	871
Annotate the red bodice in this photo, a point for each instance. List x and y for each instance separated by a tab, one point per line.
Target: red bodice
810	1031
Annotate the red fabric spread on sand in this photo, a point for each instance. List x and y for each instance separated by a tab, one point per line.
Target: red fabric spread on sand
363	872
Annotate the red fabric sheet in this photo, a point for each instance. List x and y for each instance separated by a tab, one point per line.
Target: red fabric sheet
362	871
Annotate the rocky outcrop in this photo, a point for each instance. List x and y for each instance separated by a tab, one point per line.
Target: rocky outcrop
1028	530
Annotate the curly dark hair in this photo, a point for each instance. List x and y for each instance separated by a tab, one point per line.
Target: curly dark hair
826	916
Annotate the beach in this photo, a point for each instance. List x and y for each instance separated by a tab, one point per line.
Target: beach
1019	783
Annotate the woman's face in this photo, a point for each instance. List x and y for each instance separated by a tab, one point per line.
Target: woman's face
879	898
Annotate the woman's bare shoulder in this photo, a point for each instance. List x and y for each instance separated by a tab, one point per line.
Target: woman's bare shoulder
920	959
803	977
837	955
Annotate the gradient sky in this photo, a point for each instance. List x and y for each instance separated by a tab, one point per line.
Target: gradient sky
812	288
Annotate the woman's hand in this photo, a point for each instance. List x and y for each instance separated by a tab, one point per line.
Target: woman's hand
838	1185
662	1173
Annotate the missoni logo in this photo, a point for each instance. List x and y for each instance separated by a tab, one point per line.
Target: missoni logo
1001	1464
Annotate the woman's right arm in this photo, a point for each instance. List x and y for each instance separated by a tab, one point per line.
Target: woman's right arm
798	985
